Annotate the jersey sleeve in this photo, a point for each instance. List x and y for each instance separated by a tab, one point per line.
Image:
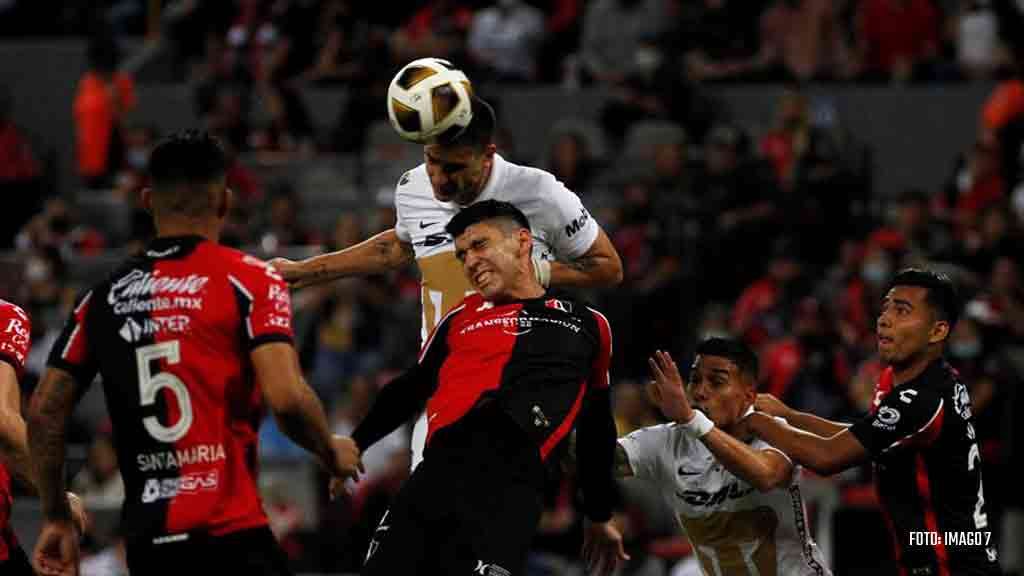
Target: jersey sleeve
264	303
572	230
599	378
16	337
905	417
72	351
401	224
647	448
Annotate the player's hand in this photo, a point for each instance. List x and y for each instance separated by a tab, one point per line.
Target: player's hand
79	515
667	388
602	547
771	405
56	551
290	270
348	461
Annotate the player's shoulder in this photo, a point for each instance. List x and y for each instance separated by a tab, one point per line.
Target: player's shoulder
10	310
527	186
243	265
414	184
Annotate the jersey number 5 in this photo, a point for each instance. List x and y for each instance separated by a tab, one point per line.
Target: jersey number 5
150	385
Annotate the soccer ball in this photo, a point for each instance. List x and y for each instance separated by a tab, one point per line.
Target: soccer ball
429	100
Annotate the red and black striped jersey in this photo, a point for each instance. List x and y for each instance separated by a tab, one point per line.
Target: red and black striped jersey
170	333
15	342
921	437
544	362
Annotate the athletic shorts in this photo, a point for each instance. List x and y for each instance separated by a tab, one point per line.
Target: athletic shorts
252	552
466	510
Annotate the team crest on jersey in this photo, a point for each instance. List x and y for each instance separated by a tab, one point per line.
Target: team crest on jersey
559	305
886	418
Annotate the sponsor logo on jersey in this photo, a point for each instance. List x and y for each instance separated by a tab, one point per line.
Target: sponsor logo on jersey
515	324
132	331
166	488
404	179
886	418
436	239
559	305
731	491
962	401
173	459
140	291
577	224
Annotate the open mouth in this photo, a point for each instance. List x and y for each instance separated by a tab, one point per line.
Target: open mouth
884	340
481	277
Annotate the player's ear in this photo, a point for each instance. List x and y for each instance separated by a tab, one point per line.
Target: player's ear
525	243
940	331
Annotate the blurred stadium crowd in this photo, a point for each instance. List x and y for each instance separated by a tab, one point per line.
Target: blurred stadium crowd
774	235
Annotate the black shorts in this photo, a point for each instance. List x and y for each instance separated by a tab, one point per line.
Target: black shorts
463	511
17	563
251	552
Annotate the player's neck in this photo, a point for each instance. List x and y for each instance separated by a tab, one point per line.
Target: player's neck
913	368
171	227
523	292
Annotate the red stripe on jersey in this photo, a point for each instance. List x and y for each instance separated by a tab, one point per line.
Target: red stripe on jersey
75	350
565	426
924	488
897	550
599	375
926	434
480	342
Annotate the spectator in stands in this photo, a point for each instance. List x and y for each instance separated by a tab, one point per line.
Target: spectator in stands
785	142
19	173
287	132
504	40
760	312
617	36
805	40
978	48
342	38
720	40
898	39
438	29
104	94
100	483
570	161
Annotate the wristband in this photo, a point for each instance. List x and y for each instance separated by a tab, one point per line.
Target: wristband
542	269
698	425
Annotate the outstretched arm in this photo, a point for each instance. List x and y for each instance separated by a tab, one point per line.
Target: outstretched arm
803	420
599	267
379	254
13	432
49	411
825	456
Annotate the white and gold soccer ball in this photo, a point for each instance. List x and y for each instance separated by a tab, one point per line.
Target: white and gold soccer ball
429	100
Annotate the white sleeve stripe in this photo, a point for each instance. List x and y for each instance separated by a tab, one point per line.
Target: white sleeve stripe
774	449
71	340
608	325
84	302
248	317
437	329
919	430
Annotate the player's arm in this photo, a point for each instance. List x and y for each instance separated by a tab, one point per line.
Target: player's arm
824	455
378	254
803	420
404	396
599	267
13	432
762	469
49	410
623	469
296	408
595	443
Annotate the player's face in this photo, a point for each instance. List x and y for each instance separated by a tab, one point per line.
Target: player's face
906	325
457	174
491	259
717	387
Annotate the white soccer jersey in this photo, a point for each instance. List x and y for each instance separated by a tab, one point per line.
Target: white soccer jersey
562	228
734	528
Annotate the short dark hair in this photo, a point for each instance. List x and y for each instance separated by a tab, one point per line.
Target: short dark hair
482	211
181	166
480	131
735	350
941	293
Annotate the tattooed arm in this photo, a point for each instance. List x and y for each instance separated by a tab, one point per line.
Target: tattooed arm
600	266
49	410
379	254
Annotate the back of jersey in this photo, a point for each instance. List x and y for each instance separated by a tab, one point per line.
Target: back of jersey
170	333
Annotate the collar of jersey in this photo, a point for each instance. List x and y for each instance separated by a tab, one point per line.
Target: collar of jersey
186	242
